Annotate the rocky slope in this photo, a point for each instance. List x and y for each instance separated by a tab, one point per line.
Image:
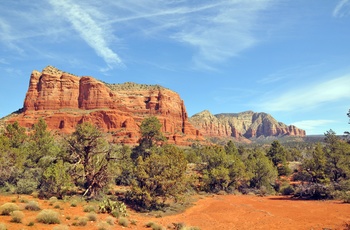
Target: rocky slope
63	100
246	124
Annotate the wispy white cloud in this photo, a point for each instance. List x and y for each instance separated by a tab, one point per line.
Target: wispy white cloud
312	125
217	31
342	9
214	31
5	36
293	72
311	96
90	31
225	33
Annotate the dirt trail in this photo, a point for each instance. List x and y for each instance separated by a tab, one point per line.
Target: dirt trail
228	212
273	212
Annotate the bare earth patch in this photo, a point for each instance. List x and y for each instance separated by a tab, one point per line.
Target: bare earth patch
214	212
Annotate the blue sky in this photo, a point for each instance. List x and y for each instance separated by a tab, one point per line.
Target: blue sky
289	58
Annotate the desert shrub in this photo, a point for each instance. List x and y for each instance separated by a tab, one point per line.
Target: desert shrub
7	208
17	216
26	186
342	195
157	227
154	226
53	200
123	222
35	194
133	222
74	203
91	216
149	224
31	223
287	189
110	220
346	197
179	226
61	227
81	221
314	191
48	216
3	226
23	200
103	226
115	208
89	208
57	206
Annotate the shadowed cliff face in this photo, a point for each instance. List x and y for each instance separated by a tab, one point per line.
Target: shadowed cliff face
64	100
246	124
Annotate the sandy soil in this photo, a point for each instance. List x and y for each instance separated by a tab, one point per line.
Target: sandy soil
215	212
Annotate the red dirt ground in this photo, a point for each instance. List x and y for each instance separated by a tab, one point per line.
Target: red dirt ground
214	212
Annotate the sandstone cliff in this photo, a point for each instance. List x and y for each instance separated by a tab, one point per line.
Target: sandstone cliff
246	124
63	100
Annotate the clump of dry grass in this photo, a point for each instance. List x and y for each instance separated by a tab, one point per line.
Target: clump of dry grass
48	216
123	222
17	216
81	221
7	208
32	206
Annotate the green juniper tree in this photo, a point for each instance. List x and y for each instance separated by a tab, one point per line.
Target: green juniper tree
90	156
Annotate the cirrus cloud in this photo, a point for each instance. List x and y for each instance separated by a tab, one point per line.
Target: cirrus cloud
93	34
310	96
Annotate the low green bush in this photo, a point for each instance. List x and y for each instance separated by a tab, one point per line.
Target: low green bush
154	226
287	190
91	216
26	186
53	200
89	208
157	227
115	208
103	226
110	220
7	208
123	222
48	216
81	221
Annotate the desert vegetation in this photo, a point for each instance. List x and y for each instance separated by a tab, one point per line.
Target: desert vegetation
155	175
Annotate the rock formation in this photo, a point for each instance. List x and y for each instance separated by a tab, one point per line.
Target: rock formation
64	100
246	124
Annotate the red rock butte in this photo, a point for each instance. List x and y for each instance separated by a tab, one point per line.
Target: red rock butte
64	100
242	125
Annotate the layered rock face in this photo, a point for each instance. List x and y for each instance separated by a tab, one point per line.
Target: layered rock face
246	124
64	100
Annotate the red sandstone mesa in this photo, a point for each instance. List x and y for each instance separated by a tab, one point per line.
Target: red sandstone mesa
64	100
246	124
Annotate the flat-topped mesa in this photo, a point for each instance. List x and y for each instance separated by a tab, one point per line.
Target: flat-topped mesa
63	100
246	124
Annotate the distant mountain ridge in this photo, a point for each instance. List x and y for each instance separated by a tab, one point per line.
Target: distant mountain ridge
246	124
